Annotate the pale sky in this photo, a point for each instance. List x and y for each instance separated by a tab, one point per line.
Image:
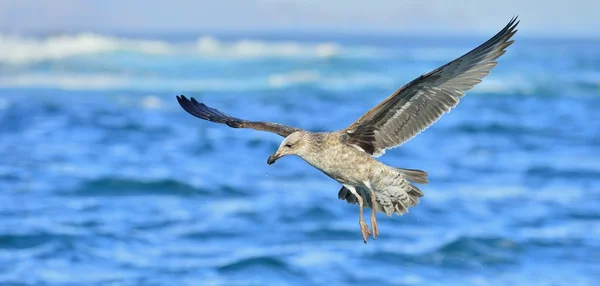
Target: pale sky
574	18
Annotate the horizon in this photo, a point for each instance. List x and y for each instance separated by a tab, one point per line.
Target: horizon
322	35
575	19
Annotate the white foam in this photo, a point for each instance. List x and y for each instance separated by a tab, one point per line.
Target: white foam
19	50
88	82
24	50
65	81
327	50
293	78
208	46
151	102
504	84
96	82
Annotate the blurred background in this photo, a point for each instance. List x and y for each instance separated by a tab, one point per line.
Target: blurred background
105	180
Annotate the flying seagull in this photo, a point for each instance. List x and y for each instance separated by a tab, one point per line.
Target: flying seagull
347	155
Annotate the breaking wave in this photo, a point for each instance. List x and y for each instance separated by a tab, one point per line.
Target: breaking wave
258	82
24	50
88	61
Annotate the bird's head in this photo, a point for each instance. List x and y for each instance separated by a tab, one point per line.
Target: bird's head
294	144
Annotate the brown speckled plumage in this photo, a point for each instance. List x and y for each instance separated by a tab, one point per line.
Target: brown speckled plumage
347	156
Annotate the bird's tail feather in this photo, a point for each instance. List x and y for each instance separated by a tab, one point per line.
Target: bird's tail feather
414	175
398	198
393	199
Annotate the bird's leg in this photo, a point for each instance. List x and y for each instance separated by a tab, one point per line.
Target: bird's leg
364	228
374	226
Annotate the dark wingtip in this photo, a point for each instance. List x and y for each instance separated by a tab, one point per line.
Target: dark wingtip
200	110
512	25
188	106
181	99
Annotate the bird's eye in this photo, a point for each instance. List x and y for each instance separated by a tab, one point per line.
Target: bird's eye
288	145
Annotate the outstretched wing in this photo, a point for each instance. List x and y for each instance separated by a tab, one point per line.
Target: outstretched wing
418	104
202	111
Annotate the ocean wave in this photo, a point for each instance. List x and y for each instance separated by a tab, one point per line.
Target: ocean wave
476	246
250	262
18	50
459	251
127	187
335	81
65	81
509	84
91	82
208	46
26	50
25	241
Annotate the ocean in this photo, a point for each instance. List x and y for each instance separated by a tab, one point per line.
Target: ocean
105	180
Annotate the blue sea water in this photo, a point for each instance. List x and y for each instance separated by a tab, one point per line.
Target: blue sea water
105	180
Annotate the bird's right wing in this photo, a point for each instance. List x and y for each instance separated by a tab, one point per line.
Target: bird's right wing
418	104
202	111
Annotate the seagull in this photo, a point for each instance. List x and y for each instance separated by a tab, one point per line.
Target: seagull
348	155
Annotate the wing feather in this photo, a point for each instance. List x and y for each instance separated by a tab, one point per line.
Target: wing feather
202	111
420	103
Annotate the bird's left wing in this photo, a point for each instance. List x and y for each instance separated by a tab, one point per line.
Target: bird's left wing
418	104
202	111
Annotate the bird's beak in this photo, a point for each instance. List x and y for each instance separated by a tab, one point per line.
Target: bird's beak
273	158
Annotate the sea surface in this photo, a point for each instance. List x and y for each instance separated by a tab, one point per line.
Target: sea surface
105	180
